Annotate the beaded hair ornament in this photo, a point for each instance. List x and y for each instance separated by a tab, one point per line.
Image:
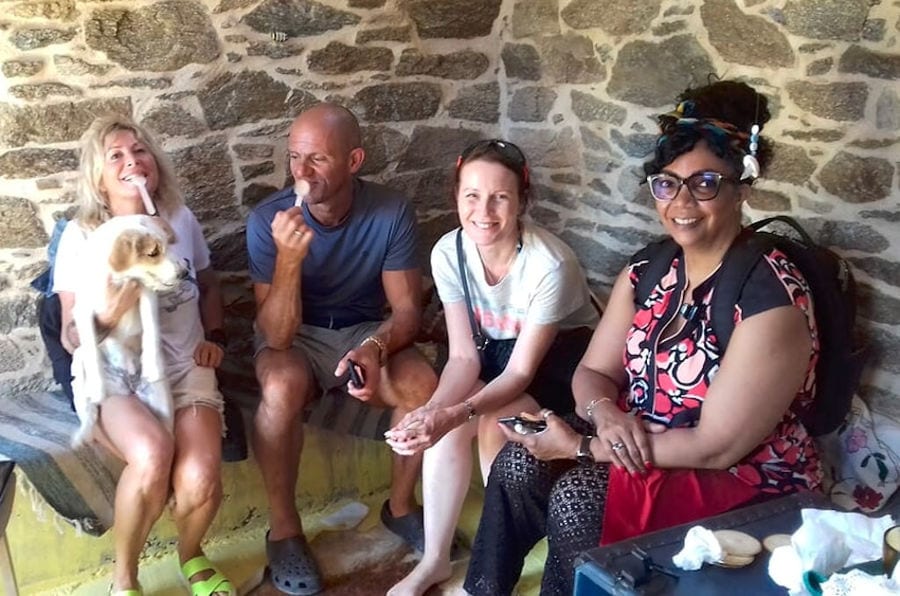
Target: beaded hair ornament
716	131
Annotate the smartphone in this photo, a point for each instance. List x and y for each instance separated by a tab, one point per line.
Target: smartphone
523	426
357	376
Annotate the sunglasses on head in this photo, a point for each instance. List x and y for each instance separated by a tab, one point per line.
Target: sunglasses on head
509	151
702	186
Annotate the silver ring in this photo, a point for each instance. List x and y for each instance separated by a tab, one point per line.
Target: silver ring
546	414
618	446
298	233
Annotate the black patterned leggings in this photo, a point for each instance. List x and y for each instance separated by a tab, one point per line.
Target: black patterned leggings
525	499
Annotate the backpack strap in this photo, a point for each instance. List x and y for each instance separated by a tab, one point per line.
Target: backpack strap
478	337
739	261
659	255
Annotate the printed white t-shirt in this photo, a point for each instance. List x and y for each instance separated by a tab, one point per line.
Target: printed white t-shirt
545	285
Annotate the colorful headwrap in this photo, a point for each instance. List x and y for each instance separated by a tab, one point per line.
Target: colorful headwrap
716	131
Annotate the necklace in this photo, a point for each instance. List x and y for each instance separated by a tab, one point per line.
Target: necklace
504	269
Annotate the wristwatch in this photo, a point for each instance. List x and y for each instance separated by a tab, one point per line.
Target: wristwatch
584	455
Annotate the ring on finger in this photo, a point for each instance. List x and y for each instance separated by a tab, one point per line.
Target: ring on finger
298	233
617	446
546	413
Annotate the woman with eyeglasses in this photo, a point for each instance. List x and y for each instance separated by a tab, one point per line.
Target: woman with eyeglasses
671	429
519	317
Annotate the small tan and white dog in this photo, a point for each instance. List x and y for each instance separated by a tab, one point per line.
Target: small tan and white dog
129	358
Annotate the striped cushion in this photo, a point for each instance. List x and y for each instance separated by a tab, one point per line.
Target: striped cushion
79	484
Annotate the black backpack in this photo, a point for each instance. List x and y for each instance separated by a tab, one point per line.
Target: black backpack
834	301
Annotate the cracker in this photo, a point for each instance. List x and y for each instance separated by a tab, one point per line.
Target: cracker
770	543
738	543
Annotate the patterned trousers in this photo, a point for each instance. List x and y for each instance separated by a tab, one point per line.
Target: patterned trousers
526	499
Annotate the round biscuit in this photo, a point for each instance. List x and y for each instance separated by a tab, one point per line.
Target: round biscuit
734	561
738	543
770	543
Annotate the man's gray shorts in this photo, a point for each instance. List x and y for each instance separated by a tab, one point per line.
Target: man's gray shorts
325	347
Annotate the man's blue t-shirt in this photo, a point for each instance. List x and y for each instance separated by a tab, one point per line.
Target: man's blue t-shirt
342	272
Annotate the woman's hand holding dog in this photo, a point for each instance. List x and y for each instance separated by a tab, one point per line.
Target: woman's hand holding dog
291	234
119	300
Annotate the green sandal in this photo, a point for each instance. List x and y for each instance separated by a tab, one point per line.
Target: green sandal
215	583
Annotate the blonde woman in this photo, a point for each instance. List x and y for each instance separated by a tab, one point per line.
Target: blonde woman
115	153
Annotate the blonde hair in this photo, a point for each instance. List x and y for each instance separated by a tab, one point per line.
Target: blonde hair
93	207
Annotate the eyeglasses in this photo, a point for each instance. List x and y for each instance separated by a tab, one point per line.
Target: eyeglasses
510	152
703	186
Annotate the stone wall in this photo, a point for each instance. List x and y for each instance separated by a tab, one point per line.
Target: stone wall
575	82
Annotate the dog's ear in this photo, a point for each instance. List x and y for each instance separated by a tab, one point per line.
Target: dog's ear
124	250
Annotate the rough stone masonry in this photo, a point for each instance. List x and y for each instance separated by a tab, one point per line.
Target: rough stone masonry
575	82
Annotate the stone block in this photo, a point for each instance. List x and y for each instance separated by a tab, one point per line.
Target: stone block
54	10
464	64
338	58
453	19
255	170
743	38
22	68
69	66
435	147
768	200
31	163
554	148
396	102
880	65
40	91
32	39
163	36
570	58
533	18
20	225
611	16
857	179
402	33
834	101
652	74
382	145
826	19
589	108
238	98
205	175
531	104
521	61
251	151
297	18
55	122
480	103
172	120
790	163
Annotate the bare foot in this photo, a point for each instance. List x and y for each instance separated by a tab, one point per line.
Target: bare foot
422	577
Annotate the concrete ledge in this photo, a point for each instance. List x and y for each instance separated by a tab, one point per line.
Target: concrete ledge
50	557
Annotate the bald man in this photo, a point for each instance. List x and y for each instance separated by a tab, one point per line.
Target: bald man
323	272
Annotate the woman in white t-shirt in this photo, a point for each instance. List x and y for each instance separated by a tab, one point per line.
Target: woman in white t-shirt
527	294
114	151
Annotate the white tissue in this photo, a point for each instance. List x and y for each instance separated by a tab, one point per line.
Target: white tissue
827	541
347	517
859	582
700	546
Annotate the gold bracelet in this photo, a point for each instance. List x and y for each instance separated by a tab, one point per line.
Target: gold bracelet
470	410
382	348
593	404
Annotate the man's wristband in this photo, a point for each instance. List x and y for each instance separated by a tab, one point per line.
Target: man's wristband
218	337
382	348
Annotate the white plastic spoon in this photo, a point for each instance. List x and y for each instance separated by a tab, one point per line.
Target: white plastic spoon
301	189
141	183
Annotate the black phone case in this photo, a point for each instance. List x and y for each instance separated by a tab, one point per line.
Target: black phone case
355	376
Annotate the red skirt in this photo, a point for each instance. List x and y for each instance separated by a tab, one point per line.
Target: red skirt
665	498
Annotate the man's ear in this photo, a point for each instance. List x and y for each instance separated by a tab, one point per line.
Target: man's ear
357	157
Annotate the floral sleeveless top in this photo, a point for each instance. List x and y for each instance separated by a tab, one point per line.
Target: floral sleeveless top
684	365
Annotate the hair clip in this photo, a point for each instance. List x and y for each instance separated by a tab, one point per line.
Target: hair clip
751	164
